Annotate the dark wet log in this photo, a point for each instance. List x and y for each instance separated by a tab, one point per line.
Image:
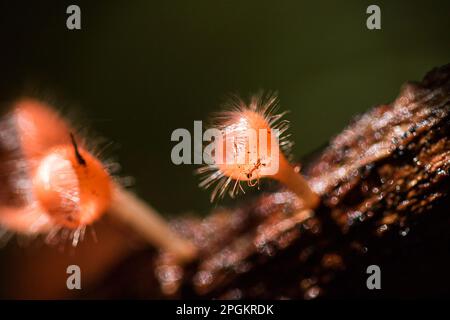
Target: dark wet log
384	183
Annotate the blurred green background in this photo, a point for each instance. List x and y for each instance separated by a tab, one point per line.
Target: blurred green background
140	69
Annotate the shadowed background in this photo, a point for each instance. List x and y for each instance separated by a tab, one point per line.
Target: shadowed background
138	70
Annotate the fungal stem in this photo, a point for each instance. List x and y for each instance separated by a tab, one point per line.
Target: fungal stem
151	226
297	184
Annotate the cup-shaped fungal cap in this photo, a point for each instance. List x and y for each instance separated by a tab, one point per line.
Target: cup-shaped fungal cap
253	144
72	186
248	147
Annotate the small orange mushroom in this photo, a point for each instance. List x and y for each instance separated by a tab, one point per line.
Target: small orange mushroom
254	146
67	187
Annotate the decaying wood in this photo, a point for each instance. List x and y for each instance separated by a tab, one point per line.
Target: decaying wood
384	183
